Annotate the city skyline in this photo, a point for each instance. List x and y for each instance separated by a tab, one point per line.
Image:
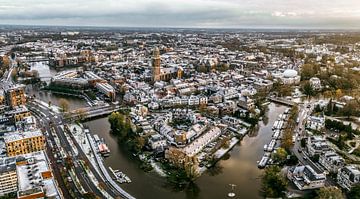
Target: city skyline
188	14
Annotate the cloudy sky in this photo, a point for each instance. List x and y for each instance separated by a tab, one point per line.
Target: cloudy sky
184	13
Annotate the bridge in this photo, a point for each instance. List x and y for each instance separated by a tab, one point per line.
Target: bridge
281	101
36	59
92	112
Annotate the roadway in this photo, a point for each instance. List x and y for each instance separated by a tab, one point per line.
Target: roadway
305	111
56	121
52	123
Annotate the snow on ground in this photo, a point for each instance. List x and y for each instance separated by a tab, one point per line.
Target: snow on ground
82	140
221	152
54	108
157	168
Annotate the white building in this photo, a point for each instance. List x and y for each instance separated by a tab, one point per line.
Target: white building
198	144
315	123
157	142
315	83
106	89
331	161
35	177
348	176
305	177
317	145
8	176
289	76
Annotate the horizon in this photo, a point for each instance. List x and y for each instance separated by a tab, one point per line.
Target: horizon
229	14
271	29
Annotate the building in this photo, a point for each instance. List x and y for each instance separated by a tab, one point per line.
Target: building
315	123
331	161
315	83
156	60
163	74
8	176
305	177
348	176
35	177
289	76
157	143
18	113
15	96
317	145
22	143
246	103
107	90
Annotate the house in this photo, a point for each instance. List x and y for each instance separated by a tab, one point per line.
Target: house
157	143
315	83
316	145
305	177
331	161
315	123
348	176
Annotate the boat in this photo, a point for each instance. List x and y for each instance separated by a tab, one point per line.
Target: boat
103	148
276	135
271	145
120	176
264	160
96	138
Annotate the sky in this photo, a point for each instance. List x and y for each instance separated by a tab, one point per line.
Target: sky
317	14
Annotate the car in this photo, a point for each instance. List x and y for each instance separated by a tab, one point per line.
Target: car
299	150
305	158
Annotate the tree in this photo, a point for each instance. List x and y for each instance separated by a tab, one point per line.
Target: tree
354	192
307	71
329	193
286	141
308	89
350	109
64	105
280	155
338	93
273	184
81	113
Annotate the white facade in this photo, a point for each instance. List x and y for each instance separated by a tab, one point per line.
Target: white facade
331	161
8	179
305	177
317	145
348	176
315	83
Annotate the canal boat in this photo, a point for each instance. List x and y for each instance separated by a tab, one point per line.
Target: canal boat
119	176
264	160
103	148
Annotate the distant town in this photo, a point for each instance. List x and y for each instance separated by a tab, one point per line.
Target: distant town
127	113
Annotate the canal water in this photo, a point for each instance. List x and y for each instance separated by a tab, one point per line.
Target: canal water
239	167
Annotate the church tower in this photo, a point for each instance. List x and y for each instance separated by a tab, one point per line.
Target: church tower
156	65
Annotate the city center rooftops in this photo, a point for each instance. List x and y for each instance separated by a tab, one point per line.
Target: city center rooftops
15	136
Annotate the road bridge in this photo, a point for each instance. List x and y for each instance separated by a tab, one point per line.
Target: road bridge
281	101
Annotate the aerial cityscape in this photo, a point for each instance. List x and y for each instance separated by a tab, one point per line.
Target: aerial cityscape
179	99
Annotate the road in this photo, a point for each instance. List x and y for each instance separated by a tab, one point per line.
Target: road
52	123
305	111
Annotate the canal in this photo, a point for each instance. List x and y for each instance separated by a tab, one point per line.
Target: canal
239	167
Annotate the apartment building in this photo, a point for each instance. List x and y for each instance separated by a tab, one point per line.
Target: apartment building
348	176
15	96
305	177
8	178
25	142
